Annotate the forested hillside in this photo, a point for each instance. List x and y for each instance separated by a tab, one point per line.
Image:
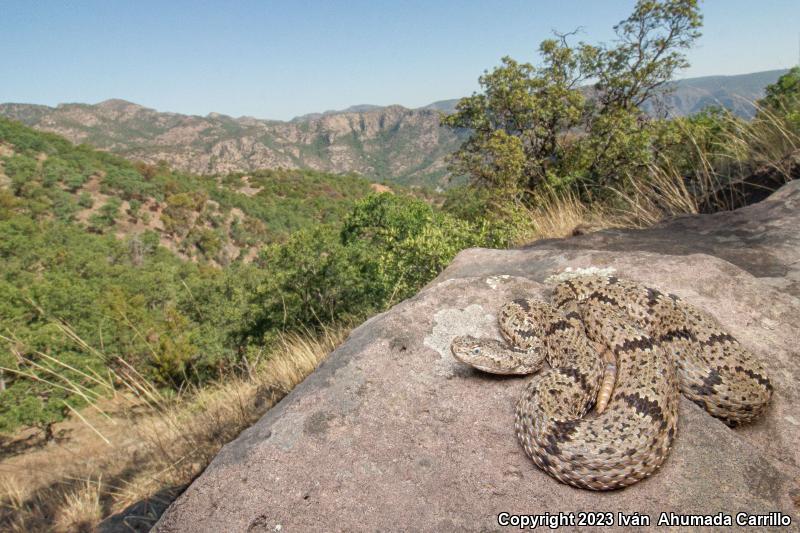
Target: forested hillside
217	219
111	266
127	256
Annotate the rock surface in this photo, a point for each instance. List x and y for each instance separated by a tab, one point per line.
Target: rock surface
391	433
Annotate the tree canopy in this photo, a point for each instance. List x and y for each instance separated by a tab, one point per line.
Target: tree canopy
536	126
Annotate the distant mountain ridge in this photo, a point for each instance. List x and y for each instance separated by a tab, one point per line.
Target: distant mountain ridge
736	93
384	143
388	143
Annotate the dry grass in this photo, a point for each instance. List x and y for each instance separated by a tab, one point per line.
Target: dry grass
149	448
765	141
643	203
637	203
81	509
559	215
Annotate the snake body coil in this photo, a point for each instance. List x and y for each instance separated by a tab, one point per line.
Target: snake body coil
661	345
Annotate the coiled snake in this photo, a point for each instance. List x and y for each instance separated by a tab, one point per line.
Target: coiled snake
660	345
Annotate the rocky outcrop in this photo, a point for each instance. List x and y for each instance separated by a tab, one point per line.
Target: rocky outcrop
391	433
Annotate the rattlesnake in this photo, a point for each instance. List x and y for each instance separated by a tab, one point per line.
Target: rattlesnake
661	345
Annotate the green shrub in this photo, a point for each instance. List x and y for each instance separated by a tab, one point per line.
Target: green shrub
133	208
783	98
21	169
106	217
388	247
85	200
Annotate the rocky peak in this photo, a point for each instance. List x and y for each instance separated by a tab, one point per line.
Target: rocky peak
117	104
120	108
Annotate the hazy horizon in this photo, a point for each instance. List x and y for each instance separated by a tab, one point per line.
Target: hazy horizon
273	61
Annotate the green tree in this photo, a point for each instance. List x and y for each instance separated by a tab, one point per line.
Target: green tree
648	52
783	97
309	279
133	208
533	126
388	247
180	211
517	121
402	243
21	169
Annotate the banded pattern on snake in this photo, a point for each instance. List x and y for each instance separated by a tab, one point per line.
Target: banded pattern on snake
661	345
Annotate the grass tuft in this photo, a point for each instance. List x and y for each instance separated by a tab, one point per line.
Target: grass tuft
81	509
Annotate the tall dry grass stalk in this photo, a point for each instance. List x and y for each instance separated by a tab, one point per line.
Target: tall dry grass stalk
153	448
644	203
768	139
14	500
556	215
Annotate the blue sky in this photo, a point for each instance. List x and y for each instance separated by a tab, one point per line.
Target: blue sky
281	59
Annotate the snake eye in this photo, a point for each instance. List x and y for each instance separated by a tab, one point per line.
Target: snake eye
476	350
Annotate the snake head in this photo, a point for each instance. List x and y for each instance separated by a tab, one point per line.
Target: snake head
492	356
467	349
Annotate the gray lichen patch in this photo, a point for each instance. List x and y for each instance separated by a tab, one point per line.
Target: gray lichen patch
571	273
450	323
495	281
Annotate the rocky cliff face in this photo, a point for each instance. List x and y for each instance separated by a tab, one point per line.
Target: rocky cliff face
395	143
392	433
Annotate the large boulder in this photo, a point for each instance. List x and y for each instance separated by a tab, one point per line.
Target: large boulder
391	432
